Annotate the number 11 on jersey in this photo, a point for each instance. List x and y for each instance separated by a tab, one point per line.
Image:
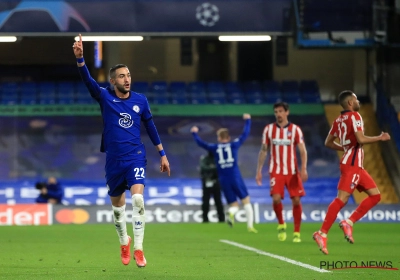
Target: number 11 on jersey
221	155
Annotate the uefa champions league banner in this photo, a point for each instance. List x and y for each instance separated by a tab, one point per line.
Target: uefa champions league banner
46	214
158	192
144	16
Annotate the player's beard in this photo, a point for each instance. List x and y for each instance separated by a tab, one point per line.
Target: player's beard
357	108
121	88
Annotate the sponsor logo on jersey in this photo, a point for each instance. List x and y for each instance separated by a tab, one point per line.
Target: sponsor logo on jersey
358	123
281	142
115	100
125	121
136	108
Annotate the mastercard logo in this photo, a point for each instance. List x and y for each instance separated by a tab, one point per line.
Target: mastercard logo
72	216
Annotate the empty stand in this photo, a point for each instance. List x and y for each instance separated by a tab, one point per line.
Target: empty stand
161	92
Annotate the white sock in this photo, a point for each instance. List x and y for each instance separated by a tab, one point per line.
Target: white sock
349	222
233	209
249	215
120	224
138	221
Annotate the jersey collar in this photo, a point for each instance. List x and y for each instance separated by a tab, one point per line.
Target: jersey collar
277	125
344	112
112	91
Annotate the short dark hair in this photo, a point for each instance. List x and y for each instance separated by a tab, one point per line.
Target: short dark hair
343	96
281	104
114	68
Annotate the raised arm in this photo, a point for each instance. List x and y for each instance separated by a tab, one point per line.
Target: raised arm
90	83
246	129
198	140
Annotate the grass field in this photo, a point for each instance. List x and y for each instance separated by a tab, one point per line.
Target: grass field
193	251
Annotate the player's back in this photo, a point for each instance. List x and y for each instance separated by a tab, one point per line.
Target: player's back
226	155
345	127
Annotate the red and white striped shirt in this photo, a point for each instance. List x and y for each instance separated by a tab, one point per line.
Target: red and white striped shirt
345	127
282	142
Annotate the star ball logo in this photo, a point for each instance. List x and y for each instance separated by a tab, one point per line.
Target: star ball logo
207	14
72	216
348	264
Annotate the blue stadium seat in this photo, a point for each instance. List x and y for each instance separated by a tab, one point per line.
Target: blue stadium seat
140	87
179	88
200	99
217	99
197	93
309	87
66	92
159	88
179	100
273	98
232	87
272	87
28	93
237	99
81	89
311	98
309	91
196	88
47	89
255	99
162	99
290	91
158	91
234	93
9	93
253	86
47	93
290	87
292	98
214	86
85	99
178	93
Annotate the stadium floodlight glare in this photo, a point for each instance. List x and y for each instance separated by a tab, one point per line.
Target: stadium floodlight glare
245	38
110	38
5	39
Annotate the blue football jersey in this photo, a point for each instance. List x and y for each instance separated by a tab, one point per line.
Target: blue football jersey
226	154
121	119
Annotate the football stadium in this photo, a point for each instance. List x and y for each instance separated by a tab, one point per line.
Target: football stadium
189	139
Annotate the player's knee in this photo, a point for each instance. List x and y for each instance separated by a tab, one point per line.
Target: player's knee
376	198
138	202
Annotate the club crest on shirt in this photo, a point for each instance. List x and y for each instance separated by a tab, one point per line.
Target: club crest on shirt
136	108
289	133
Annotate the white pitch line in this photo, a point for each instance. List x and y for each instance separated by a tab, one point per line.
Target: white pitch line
274	256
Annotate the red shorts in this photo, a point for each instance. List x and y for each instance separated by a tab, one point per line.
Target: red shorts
354	177
293	184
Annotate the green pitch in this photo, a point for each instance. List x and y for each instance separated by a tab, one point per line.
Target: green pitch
194	251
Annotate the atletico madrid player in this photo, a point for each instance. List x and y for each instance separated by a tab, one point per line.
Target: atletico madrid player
281	139
349	128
